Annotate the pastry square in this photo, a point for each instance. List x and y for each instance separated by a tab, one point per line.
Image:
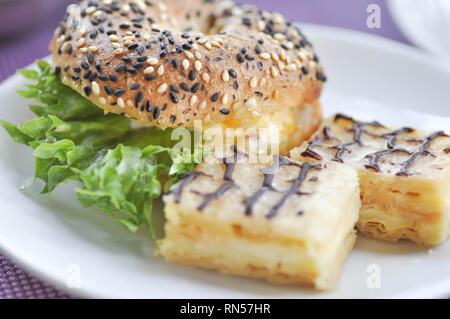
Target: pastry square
281	220
404	176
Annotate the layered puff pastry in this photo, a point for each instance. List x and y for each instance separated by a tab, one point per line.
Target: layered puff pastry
277	219
404	176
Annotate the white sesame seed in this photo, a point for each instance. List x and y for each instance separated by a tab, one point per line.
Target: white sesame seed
118	51
95	88
152	61
185	64
114	38
208	45
225	98
149	70
160	70
91	10
202	41
84	50
291	67
202	105
193	100
261	25
92	48
80	42
273	71
198	55
253	82
197	65
83	31
129	103
264	56
162	88
263	81
205	77
274	56
279	36
189	55
121	102
115	45
107	2
225	76
102	100
97	14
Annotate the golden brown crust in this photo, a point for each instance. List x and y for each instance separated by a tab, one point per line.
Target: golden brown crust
248	64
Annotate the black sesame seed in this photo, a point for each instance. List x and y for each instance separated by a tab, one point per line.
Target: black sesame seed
92	77
124	26
232	73
133	46
215	97
139	97
139	65
77	69
174	88
108	90
132	70
247	22
175	63
127	59
85	65
113	77
250	57
87	90
121	68
69	49
98	67
148	106
240	58
174	98
57	70
119	92
321	76
235	85
87	74
191	75
150	77
75	77
173	119
156	112
195	87
305	70
135	86
185	86
141	58
225	111
258	49
102	77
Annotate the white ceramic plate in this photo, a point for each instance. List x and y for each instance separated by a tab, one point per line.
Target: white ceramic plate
60	242
426	23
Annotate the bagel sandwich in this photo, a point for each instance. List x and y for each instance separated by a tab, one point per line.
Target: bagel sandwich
125	74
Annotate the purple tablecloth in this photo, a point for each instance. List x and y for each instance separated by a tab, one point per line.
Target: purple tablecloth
17	51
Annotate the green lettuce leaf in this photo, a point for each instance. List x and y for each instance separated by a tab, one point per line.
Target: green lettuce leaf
121	170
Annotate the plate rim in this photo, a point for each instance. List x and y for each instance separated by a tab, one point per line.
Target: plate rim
438	290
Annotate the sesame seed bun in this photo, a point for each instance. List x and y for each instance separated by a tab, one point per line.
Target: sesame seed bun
171	62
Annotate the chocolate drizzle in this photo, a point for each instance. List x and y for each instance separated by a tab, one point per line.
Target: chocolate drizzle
359	128
209	197
294	189
422	151
185	180
269	173
230	164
